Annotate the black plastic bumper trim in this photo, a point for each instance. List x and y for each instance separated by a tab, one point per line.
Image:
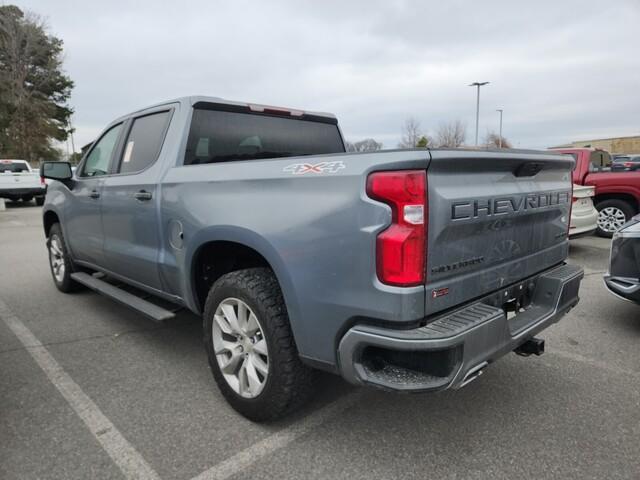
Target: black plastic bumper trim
482	332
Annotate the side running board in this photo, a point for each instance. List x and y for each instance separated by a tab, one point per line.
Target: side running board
154	312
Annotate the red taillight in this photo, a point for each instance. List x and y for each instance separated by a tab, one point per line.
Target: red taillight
628	164
401	249
42	182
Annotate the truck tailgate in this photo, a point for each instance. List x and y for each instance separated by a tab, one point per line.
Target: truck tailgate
495	218
10	180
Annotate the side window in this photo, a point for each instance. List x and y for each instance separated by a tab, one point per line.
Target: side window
97	162
144	142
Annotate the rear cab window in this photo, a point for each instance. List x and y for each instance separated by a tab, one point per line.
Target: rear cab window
12	166
222	135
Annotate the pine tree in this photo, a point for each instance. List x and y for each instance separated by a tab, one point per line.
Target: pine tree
33	88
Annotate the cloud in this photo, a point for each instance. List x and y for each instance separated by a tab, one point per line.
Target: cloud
560	70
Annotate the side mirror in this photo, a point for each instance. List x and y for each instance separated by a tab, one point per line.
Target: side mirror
56	171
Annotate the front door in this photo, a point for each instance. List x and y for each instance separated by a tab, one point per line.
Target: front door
130	203
83	216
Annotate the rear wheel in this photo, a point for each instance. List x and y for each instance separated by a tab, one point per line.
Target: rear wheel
251	350
59	260
39	201
612	214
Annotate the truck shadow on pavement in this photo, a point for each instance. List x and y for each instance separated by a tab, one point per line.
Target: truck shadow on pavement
20	205
512	379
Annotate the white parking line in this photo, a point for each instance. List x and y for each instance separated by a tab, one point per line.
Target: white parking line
127	458
278	440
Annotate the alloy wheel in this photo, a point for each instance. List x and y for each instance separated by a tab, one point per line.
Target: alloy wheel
240	347
56	258
610	219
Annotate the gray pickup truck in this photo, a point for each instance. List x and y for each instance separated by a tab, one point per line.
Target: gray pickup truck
408	270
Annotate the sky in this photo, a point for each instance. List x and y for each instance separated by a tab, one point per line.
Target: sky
560	70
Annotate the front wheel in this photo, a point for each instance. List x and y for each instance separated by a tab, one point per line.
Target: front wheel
251	350
59	260
612	214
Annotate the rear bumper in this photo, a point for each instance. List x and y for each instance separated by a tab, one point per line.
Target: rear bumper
453	349
583	223
22	192
581	232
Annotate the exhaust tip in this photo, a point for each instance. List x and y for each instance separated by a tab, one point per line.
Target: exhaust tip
473	373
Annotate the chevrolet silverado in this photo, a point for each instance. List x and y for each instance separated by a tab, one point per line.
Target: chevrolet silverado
407	270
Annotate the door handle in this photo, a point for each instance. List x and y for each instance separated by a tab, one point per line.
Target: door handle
94	194
143	195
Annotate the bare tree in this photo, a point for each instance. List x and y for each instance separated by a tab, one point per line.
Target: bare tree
492	140
451	134
411	134
366	145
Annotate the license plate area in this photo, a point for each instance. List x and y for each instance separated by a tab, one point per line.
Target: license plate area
514	299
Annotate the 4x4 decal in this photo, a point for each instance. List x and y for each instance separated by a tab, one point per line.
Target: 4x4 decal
322	167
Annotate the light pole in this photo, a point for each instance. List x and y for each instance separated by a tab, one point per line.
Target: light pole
500	139
477	84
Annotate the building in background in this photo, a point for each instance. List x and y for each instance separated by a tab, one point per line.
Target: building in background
611	145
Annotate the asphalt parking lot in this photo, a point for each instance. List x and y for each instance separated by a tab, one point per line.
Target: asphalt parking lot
89	389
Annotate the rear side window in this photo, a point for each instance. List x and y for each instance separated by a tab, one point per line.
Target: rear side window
99	158
221	136
144	142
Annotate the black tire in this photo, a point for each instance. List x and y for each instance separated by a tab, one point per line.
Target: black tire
39	201
620	205
64	283
289	382
27	199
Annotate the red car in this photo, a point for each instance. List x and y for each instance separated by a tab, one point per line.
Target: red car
617	196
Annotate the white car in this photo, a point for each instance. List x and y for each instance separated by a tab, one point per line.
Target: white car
584	216
18	181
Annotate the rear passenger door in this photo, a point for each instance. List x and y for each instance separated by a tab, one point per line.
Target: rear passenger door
130	216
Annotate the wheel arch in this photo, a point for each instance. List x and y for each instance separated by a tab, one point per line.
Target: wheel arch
49	218
235	248
625	197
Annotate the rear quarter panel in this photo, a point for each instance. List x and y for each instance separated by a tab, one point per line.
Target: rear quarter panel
317	231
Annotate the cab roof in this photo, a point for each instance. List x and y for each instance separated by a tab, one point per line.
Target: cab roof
191	101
